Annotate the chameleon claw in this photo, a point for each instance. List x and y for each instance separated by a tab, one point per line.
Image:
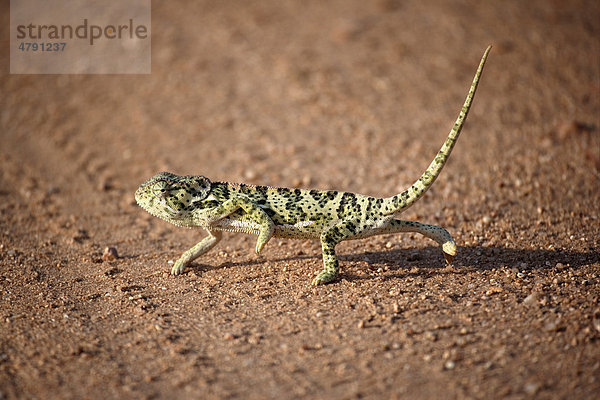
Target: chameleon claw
263	239
259	247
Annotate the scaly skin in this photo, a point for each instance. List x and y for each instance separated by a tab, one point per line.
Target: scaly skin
330	216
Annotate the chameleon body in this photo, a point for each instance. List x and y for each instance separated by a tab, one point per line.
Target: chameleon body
327	215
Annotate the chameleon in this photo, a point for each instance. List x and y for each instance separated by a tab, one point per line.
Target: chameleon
327	215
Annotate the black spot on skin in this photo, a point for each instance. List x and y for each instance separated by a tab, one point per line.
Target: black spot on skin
370	201
245	189
348	199
316	195
351	227
262	190
331	194
329	251
221	191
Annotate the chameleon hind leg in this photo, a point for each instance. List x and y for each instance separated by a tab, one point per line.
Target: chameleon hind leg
190	255
433	232
329	239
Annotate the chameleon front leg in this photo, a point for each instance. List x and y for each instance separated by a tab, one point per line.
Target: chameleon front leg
329	239
202	247
433	232
253	212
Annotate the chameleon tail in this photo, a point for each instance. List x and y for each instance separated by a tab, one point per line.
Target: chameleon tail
402	201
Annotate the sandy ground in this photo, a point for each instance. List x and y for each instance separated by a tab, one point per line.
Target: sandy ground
347	95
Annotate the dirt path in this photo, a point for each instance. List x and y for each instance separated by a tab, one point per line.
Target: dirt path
341	95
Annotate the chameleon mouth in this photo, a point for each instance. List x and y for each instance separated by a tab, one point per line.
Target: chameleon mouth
172	210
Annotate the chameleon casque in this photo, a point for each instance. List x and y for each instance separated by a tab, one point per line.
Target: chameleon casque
327	215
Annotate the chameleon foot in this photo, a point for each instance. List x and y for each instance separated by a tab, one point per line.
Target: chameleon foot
324	277
265	235
178	267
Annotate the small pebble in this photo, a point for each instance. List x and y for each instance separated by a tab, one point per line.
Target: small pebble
110	254
449	365
250	174
531	299
558	280
553	326
531	388
254	339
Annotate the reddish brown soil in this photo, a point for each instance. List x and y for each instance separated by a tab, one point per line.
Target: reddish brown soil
347	95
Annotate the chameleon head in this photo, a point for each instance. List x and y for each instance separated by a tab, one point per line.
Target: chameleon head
171	197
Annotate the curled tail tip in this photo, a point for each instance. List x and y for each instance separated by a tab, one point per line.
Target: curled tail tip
449	248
